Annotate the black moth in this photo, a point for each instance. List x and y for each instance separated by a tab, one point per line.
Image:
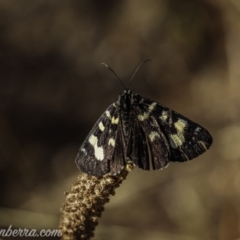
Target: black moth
142	132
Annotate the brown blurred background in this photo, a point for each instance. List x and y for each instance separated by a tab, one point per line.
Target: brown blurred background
53	89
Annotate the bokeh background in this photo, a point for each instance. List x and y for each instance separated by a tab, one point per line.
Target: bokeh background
53	89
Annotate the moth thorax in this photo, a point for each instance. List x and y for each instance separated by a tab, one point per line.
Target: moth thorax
126	121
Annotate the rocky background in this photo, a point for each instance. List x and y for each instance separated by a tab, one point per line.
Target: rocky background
53	89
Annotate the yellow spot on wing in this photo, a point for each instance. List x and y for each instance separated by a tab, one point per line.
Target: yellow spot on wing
114	120
176	140
108	114
143	117
111	142
146	114
153	135
101	126
98	151
180	125
151	107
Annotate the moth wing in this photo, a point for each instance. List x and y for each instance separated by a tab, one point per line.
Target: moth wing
97	149
118	161
138	149
157	145
135	150
184	138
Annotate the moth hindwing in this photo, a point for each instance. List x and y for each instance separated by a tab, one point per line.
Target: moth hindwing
142	132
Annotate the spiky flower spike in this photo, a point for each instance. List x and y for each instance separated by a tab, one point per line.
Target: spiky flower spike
85	204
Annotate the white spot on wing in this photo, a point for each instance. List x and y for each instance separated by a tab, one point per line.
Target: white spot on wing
197	130
98	151
153	135
111	141
143	117
164	116
84	151
108	114
101	126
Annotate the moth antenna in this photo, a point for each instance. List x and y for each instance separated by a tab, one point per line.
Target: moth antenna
137	70
114	74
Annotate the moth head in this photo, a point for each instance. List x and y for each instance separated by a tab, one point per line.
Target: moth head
127	100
